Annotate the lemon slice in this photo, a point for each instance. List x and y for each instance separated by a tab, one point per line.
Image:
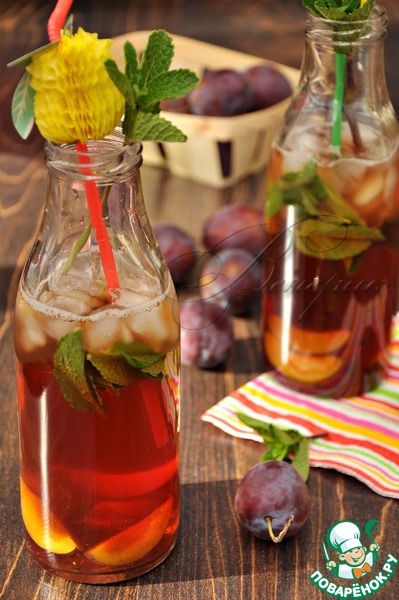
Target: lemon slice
136	541
311	342
306	368
45	529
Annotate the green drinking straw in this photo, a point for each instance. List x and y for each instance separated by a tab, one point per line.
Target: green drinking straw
335	11
340	67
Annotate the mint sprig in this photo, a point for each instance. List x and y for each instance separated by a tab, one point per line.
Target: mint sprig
82	375
145	83
327	227
340	10
281	443
70	372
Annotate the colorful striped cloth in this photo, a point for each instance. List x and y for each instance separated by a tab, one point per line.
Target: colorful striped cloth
362	432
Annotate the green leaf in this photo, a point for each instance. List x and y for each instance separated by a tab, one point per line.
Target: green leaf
300	460
274	200
168	85
69	362
337	206
281	443
145	85
22	107
24	60
121	81
128	122
157	56
68	27
340	10
131	63
310	202
151	364
276	452
329	228
114	370
149	127
332	238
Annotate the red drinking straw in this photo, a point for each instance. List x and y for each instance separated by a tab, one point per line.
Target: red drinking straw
57	19
54	27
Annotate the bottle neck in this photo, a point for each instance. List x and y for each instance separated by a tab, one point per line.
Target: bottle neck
346	36
343	78
359	48
104	161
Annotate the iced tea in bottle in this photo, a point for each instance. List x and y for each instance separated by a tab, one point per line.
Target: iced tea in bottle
332	216
98	377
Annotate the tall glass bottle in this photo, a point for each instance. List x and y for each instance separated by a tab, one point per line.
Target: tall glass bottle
332	216
98	375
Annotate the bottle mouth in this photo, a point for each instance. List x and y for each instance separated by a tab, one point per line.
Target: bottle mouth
107	160
345	33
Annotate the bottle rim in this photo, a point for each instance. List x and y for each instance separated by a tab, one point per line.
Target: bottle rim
348	33
107	159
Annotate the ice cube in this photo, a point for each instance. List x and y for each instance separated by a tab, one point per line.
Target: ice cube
158	327
30	340
391	181
57	328
101	335
370	189
75	302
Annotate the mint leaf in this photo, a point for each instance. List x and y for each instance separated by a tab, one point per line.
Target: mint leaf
337	206
114	370
165	86
144	85
22	107
132	63
157	56
274	200
121	81
276	452
329	228
69	363
340	10
300	461
332	238
281	443
155	128
151	364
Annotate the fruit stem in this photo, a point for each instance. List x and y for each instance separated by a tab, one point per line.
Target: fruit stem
282	533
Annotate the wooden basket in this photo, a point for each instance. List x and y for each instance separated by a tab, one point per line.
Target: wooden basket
246	138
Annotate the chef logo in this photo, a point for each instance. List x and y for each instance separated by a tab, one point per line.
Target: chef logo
352	559
349	555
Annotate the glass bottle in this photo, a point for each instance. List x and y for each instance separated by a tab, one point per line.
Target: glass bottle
332	216
98	374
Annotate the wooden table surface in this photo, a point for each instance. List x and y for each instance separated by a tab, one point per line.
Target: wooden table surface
214	558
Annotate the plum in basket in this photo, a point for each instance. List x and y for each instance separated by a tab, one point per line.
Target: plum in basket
221	93
268	86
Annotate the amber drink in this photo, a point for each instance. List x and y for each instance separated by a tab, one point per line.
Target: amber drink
332	214
98	379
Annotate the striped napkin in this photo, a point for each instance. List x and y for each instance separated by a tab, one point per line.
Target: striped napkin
362	432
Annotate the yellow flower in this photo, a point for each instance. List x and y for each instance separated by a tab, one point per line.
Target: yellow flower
75	98
362	2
